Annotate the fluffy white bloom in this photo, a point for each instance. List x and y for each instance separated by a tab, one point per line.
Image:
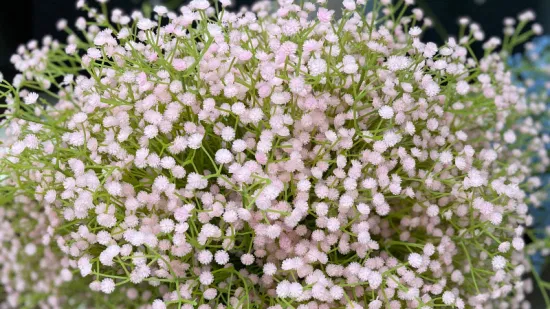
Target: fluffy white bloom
415	260
107	286
397	63
498	262
386	112
317	66
224	156
31	98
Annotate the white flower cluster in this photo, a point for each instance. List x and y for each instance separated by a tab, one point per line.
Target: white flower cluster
272	159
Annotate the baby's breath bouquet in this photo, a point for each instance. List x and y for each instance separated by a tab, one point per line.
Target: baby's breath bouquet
272	158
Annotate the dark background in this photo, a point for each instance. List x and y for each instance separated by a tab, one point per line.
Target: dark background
23	20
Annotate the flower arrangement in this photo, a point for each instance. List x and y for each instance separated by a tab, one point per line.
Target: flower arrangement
270	158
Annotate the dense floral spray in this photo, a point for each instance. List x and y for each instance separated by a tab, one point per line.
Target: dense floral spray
270	158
